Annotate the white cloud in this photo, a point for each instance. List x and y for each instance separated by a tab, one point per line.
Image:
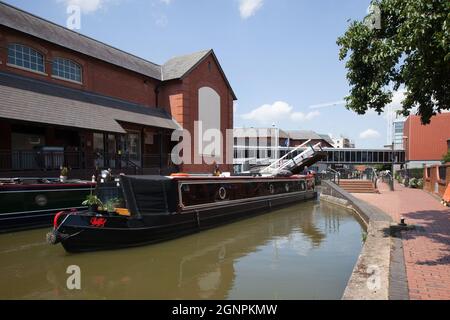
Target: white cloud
86	6
369	134
390	111
300	116
278	112
248	8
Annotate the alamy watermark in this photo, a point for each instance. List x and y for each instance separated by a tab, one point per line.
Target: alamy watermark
73	21
74	280
210	146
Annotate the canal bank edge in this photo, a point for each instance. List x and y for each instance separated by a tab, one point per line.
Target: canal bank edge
379	273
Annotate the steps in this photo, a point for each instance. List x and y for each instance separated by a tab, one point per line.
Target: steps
358	186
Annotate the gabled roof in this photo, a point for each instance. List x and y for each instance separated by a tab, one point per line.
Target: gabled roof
181	66
175	68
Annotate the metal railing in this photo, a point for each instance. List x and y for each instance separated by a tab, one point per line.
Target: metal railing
374	177
29	160
332	175
387	177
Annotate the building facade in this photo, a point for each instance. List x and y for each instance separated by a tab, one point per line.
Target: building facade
262	146
69	100
426	144
398	127
343	143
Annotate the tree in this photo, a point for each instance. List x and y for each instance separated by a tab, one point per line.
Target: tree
446	157
410	49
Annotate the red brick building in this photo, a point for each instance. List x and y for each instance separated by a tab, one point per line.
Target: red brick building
67	99
426	144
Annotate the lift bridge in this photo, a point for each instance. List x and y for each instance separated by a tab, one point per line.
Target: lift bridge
307	154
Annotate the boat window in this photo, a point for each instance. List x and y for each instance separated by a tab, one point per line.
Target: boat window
111	196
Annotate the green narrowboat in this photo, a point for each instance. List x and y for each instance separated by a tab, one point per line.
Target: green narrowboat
27	203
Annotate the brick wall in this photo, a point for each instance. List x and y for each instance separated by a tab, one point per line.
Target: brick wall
181	99
427	142
178	97
433	180
98	76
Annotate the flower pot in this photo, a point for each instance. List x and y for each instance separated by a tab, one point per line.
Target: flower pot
93	208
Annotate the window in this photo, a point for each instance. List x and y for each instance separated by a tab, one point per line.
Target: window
25	57
67	69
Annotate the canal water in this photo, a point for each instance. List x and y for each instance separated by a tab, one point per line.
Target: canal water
306	251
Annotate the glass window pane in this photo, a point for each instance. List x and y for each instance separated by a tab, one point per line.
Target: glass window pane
25	57
67	69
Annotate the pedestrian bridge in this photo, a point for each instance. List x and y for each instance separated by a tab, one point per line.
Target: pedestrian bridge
364	156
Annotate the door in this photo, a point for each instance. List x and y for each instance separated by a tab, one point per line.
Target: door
134	147
112	150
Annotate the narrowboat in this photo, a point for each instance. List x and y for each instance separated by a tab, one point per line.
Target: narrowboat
28	203
138	210
149	209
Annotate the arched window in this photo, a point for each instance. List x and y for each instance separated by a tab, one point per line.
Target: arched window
25	57
67	69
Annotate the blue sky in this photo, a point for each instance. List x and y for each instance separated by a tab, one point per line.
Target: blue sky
280	56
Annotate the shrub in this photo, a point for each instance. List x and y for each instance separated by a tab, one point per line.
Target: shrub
420	183
414	183
446	157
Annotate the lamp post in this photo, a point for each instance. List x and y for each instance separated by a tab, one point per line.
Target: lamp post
391	184
405	143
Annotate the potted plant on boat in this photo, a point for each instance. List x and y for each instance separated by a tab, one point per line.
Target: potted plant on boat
112	204
64	174
93	202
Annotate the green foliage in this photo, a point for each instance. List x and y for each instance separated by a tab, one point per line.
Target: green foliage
411	49
92	200
64	171
420	183
415	183
112	204
364	236
446	157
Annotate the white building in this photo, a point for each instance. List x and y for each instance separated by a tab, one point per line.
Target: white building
343	143
397	133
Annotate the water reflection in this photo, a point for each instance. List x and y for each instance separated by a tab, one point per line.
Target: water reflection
301	252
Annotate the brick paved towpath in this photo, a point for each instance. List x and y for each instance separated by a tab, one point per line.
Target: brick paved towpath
426	249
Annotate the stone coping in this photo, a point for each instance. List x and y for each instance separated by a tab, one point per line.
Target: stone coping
379	273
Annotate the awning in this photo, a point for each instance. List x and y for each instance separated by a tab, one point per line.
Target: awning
21	104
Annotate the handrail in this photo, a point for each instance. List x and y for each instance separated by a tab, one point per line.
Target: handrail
335	174
374	177
390	180
302	146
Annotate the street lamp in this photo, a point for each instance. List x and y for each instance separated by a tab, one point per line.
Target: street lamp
405	143
391	184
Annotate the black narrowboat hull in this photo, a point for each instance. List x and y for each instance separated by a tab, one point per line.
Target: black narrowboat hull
123	234
161	209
